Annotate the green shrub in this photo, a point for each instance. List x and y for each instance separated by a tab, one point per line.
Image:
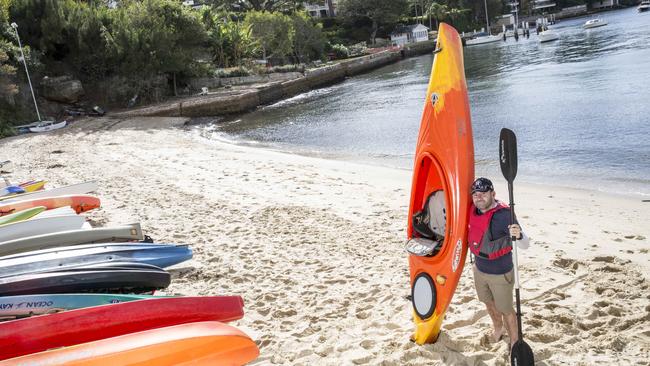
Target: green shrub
340	51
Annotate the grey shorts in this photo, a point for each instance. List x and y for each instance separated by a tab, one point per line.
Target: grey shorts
495	288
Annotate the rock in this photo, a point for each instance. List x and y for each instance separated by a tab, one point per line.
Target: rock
62	89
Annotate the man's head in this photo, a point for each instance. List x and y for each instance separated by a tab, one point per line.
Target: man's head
483	194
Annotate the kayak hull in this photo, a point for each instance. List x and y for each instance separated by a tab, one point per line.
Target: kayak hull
25	336
79	203
444	161
200	343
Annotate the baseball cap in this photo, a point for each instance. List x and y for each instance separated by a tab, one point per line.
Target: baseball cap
482	185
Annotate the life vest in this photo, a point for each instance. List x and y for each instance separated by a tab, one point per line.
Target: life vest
478	235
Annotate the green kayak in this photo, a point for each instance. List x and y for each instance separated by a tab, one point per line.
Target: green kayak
21	215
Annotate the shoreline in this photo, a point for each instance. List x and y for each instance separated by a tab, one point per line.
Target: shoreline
316	247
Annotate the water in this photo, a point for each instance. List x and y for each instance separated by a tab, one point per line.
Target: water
580	107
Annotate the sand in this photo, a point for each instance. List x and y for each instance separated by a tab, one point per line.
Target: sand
316	247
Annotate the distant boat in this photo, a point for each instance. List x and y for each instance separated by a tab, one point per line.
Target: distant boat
644	6
593	23
45	126
484	38
548	36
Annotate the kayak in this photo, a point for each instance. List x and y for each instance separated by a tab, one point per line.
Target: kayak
38	226
79	203
199	343
101	277
33	185
122	233
73	189
21	306
24	336
21	215
160	255
442	175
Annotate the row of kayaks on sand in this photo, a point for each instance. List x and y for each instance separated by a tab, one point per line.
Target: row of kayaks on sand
71	293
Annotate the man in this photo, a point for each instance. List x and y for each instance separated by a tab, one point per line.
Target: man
489	240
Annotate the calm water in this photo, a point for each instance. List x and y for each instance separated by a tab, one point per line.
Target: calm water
580	107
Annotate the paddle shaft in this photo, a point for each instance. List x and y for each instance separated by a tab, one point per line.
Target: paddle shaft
515	260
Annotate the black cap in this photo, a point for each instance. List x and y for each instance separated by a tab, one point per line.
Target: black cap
482	185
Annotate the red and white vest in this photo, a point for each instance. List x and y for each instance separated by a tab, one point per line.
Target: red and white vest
478	235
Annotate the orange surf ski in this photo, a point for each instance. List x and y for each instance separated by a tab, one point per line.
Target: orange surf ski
442	175
202	343
80	203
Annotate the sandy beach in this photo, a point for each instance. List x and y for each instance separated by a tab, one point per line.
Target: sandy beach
316	247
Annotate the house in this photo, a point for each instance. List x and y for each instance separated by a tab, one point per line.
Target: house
544	6
327	9
601	4
409	34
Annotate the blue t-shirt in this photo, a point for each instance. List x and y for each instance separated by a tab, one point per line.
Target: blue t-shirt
498	229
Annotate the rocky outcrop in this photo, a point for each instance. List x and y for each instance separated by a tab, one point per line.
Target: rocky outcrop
62	89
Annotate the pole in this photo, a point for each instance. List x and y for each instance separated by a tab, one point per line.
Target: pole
29	80
487	20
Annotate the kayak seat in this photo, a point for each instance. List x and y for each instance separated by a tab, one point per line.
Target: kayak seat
423	247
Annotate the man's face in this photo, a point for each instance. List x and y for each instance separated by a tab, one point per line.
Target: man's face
483	200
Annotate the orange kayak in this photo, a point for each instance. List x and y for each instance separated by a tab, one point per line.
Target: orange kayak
80	203
442	176
202	343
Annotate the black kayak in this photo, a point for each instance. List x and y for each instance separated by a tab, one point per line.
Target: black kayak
108	277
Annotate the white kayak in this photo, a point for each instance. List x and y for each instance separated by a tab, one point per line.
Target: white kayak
36	226
122	233
61	211
73	189
45	126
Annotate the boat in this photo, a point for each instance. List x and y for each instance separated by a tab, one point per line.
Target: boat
22	306
39	226
79	188
485	37
123	233
548	36
21	215
440	199
160	255
45	126
24	336
104	277
594	23
644	6
80	203
196	343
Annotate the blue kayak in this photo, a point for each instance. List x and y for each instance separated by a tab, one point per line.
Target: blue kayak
28	305
159	255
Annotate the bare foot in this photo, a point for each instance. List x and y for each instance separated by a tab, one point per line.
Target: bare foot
497	335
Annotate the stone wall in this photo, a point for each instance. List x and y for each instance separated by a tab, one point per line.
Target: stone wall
228	102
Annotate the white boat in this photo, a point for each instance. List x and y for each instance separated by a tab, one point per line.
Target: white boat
548	36
48	126
644	6
41	226
79	188
593	23
488	38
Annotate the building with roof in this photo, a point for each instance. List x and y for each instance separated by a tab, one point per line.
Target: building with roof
404	34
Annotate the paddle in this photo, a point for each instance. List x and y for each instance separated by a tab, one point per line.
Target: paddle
521	353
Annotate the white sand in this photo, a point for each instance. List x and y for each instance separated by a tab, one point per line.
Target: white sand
315	247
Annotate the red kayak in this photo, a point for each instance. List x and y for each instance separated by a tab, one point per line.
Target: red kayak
39	333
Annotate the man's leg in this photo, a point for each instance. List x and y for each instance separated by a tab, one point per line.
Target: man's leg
497	320
511	325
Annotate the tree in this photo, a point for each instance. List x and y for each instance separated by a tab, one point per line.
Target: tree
284	6
273	32
308	40
378	11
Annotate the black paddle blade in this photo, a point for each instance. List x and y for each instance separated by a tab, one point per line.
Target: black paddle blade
508	154
521	354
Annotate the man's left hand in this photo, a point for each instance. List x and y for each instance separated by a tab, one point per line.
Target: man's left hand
515	231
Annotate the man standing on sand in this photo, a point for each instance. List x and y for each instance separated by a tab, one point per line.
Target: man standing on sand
489	240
